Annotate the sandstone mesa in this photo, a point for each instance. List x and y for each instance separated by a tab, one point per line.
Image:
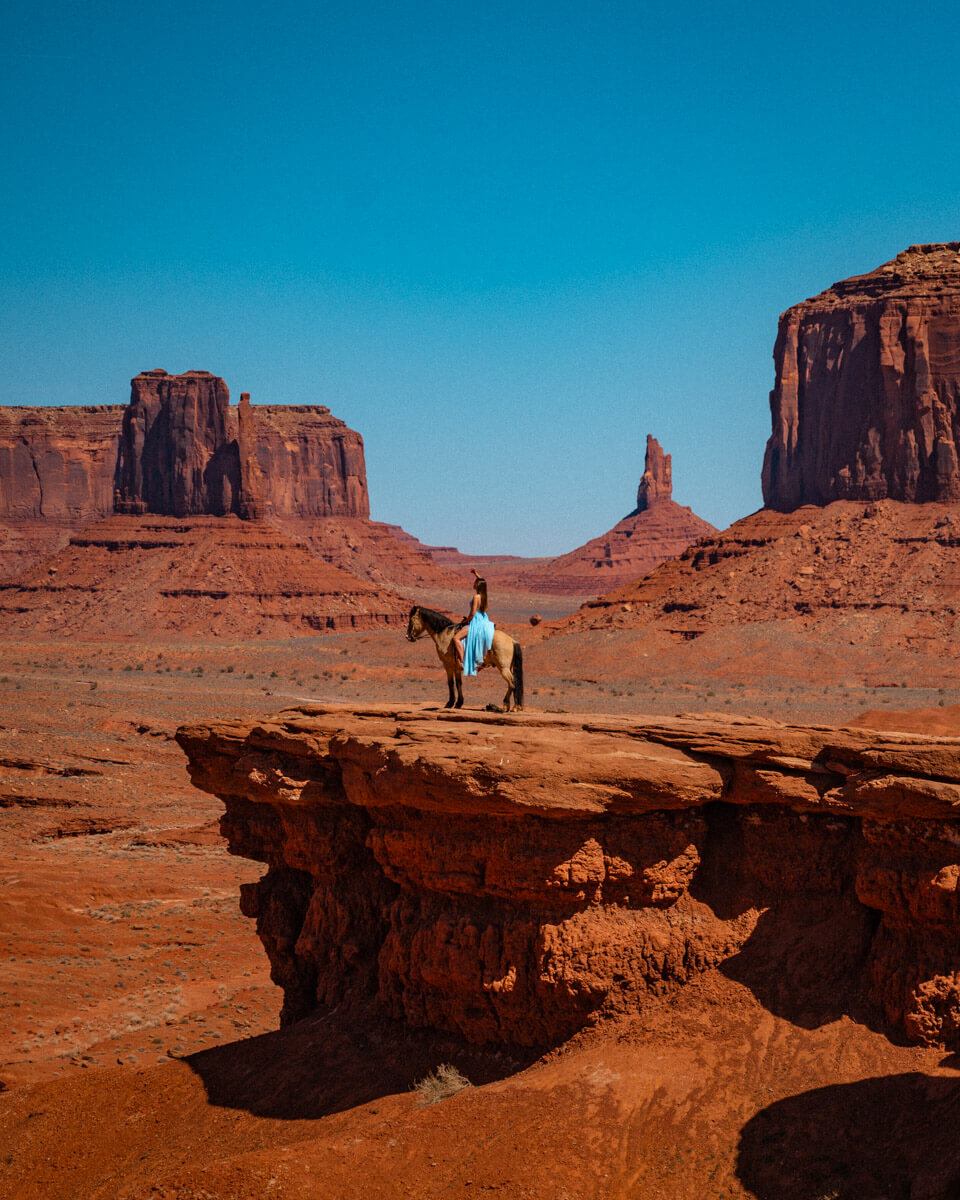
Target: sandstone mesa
867	374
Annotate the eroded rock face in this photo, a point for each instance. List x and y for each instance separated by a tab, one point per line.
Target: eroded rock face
176	458
867	381
510	878
186	452
310	462
58	464
178	449
656	483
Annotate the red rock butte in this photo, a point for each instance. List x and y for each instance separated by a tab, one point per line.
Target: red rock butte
658	529
864	406
860	479
180	449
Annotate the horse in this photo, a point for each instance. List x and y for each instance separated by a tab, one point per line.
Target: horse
505	654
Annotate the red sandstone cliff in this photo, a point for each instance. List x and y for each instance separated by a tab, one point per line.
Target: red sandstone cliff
57	470
865	428
58	464
312	463
176	458
867	379
179	449
511	878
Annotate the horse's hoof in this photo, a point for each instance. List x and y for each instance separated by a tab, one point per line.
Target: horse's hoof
459	704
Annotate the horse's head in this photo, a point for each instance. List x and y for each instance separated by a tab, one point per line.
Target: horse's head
415	626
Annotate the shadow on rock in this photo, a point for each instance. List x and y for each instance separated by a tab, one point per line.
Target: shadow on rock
321	1066
806	958
893	1137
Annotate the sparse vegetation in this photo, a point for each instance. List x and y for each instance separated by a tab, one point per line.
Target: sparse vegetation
442	1082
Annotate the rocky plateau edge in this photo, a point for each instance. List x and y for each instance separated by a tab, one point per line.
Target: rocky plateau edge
513	878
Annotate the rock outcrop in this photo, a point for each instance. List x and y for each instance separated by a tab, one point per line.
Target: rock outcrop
176	458
186	452
58	464
881	575
180	449
658	529
511	878
311	463
656	483
57	470
865	404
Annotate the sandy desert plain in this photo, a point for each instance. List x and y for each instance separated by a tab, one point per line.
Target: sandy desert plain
687	924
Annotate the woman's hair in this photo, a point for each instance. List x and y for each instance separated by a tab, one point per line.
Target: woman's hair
480	587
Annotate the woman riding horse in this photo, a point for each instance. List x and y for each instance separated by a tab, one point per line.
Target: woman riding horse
501	652
477	629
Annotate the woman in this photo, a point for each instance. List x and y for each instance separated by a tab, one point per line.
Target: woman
477	630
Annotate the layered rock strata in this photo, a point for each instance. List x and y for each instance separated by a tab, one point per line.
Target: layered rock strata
201	576
865	403
177	449
511	878
884	574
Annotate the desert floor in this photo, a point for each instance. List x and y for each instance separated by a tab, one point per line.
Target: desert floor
139	1051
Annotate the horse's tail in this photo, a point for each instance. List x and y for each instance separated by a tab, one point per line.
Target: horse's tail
516	666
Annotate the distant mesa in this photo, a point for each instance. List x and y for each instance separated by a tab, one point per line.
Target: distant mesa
185	452
860	478
864	406
180	514
180	449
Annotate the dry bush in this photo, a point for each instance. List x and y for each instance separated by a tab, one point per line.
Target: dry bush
445	1081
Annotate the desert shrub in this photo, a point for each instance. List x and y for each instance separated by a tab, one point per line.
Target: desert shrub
445	1081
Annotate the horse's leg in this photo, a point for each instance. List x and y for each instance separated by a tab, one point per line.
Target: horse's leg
459	703
509	678
449	703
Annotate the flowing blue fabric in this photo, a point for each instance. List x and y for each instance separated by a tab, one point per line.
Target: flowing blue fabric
477	643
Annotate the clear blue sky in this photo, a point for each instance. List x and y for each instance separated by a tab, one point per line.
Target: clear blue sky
503	241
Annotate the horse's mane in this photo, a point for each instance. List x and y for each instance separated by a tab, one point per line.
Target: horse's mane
434	621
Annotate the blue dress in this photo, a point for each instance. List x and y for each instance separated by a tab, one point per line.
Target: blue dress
477	643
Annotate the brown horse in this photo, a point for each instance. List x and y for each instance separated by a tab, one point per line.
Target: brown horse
505	654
